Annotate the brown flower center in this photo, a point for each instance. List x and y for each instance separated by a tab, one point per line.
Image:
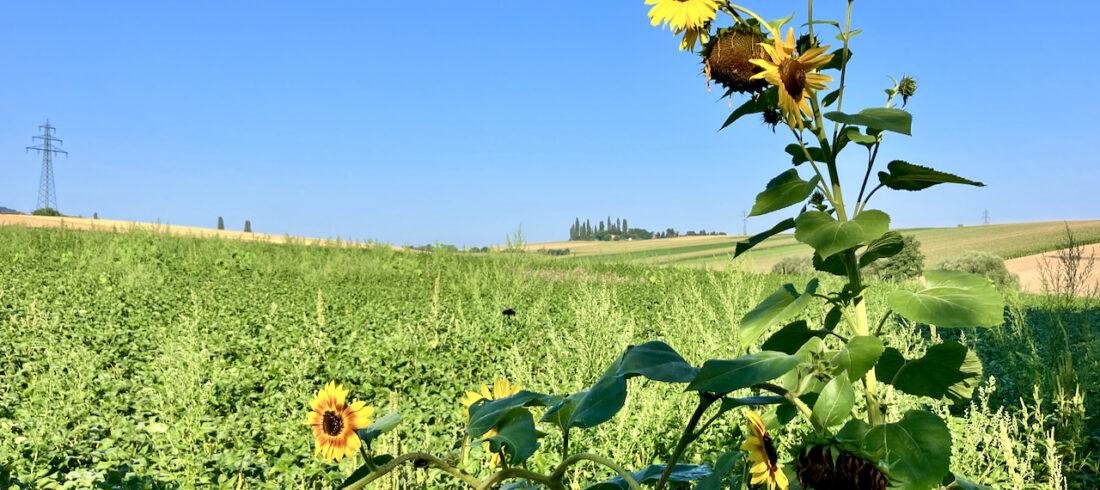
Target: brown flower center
332	424
793	76
769	447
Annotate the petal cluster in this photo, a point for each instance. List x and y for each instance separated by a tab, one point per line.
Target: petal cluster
794	74
335	422
762	455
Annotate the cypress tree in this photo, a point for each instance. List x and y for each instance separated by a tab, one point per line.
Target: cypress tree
221	223
247	226
626	228
95	215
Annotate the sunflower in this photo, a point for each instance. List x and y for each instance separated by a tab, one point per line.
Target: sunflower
501	389
762	454
688	17
334	422
793	76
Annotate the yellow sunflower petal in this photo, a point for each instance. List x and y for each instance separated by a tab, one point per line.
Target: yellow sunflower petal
781	479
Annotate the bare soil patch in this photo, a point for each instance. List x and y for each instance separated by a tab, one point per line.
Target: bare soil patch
1027	268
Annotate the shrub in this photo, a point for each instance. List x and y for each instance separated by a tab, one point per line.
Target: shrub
46	212
984	264
794	266
907	264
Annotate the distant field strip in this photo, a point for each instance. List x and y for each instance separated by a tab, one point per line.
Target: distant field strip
715	252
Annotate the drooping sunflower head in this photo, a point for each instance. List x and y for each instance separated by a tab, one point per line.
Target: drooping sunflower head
831	467
726	58
794	74
688	17
763	455
334	422
502	388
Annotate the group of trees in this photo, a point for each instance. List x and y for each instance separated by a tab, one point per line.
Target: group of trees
620	230
247	225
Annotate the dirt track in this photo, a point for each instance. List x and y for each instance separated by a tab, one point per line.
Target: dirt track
190	231
1028	269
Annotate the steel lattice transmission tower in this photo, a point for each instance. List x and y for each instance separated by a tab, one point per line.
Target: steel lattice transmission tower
47	194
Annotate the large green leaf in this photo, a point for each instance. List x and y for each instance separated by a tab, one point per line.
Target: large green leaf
965	484
895	120
791	337
378	427
798	155
744	246
828	236
858	356
722	467
905	176
837	61
516	435
766	100
485	415
680	473
835	402
948	371
888	245
600	403
657	361
783	304
718	376
914	452
787	189
951	299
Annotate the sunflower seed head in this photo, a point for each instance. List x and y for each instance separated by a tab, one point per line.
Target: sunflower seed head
907	87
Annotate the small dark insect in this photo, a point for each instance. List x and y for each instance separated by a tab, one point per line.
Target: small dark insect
508	312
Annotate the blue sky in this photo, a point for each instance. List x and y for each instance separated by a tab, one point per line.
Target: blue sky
458	123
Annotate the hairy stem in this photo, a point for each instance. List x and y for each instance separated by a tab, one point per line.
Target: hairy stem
794	400
686	438
420	460
763	23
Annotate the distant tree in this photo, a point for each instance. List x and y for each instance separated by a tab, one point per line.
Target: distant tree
95	215
45	212
247	226
626	228
907	264
221	223
601	227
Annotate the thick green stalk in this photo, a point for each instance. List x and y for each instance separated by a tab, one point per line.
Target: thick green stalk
861	327
418	459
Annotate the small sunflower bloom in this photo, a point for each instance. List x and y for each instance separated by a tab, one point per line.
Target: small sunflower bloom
502	388
762	455
794	75
688	17
334	422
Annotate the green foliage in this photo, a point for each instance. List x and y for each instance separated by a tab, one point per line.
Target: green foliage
983	264
793	266
783	191
247	226
951	299
221	223
903	264
45	212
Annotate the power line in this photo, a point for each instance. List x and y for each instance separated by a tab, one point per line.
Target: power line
985	217
47	194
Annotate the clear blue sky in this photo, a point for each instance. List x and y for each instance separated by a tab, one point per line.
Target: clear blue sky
458	123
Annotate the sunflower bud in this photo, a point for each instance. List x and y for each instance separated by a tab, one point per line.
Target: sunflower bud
771	117
907	87
821	467
726	58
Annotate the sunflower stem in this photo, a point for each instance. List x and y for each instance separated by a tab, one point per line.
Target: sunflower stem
794	400
763	23
689	435
559	472
369	461
516	472
418	459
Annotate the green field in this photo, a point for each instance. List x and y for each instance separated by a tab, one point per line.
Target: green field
716	252
139	360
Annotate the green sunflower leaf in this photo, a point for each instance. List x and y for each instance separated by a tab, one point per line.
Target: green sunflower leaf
828	236
837	62
786	189
783	304
766	100
915	452
904	176
746	245
798	156
486	414
381	426
718	376
895	120
830	98
888	245
835	402
516	436
858	356
956	481
948	372
680	473
722	468
791	338
951	299
657	361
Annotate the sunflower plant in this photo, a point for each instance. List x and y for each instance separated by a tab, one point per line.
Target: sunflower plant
833	374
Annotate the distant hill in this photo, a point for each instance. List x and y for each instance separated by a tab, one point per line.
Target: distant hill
4	210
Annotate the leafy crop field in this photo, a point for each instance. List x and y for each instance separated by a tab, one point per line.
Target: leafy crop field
139	360
1008	241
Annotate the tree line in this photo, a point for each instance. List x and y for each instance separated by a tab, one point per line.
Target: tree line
620	230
